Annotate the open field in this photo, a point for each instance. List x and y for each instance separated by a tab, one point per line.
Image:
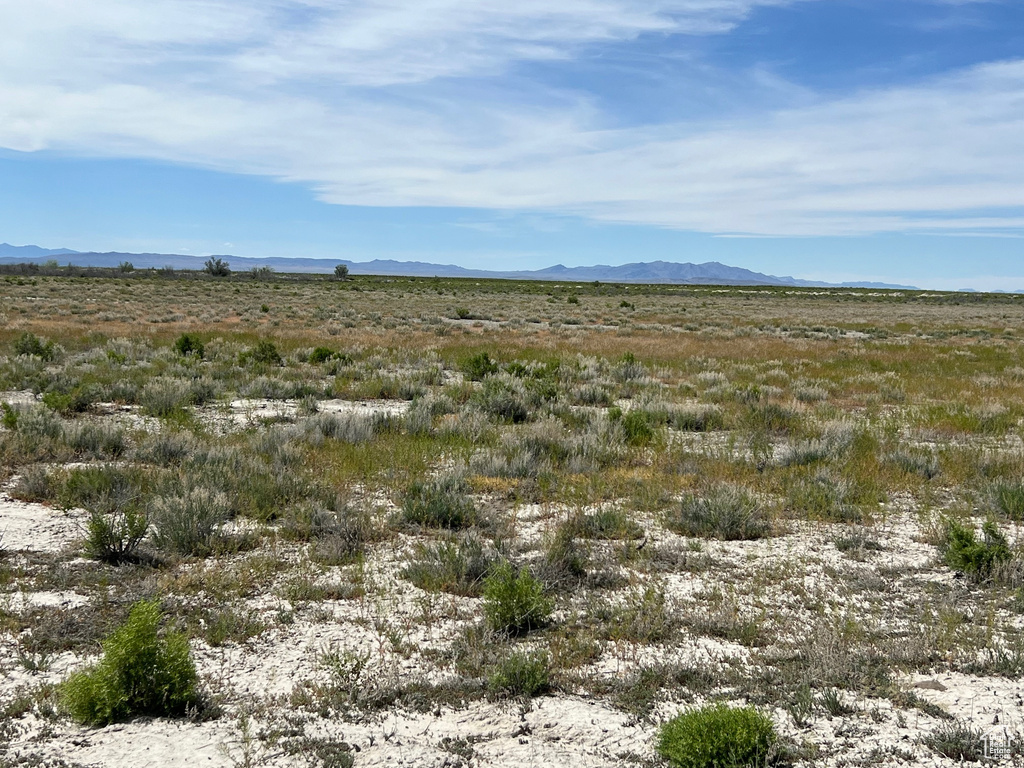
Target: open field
478	523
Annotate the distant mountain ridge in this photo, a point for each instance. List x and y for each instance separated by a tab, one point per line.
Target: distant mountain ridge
682	273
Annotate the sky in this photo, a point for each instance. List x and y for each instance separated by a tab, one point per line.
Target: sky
824	139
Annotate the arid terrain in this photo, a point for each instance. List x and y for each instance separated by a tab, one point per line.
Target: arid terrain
804	500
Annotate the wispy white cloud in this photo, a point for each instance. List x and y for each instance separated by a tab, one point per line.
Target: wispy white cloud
357	99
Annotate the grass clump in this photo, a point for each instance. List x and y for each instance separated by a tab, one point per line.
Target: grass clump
1008	499
638	428
957	740
607	523
962	551
725	512
521	674
141	673
456	566
717	736
515	603
188	523
439	504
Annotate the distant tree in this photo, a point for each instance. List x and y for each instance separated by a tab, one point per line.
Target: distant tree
217	267
126	266
261	273
341	272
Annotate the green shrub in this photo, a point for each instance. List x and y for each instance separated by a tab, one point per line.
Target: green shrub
515	603
9	419
963	552
522	675
322	355
30	344
717	736
441	503
71	401
217	267
726	512
479	366
114	532
187	344
264	353
141	673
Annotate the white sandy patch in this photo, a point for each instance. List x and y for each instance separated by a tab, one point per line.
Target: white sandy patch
29	527
18	397
980	701
21	601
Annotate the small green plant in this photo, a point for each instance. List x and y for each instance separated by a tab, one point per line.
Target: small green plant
479	366
441	503
962	550
114	532
522	675
141	673
718	736
188	344
515	603
9	419
725	512
832	701
30	344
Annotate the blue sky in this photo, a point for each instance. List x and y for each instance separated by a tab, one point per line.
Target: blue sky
825	139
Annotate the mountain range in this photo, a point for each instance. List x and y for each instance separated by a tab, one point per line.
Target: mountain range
683	273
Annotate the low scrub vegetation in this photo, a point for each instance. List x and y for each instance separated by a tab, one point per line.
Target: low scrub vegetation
142	672
363	498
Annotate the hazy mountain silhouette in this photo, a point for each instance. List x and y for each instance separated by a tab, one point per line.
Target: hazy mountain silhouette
685	273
